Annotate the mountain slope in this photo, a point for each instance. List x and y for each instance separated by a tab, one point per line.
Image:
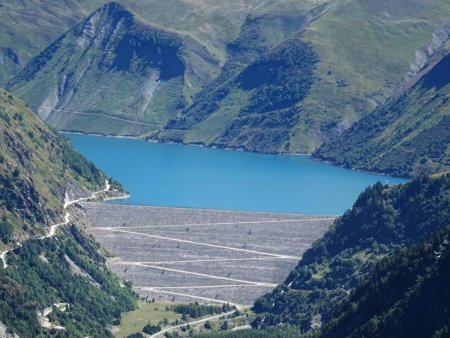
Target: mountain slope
407	135
367	49
271	86
406	296
242	108
64	269
348	81
30	26
37	169
112	74
381	221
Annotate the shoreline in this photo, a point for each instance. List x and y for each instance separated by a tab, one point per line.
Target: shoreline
72	132
193	144
201	145
378	173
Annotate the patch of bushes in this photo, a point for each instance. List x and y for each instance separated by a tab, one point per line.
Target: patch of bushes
279	78
5	117
196	310
151	329
136	335
6	231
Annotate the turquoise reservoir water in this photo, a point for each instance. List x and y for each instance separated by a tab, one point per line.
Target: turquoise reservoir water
184	176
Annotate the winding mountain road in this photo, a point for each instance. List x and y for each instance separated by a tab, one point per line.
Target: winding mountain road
54	228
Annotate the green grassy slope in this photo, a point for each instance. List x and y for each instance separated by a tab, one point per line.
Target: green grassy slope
29	27
106	70
365	51
381	221
252	104
407	135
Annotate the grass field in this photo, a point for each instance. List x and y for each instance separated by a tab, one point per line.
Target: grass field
157	312
152	313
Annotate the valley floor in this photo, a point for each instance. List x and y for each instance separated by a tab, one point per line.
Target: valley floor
209	256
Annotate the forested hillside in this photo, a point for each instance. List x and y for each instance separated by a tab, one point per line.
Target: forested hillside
64	269
407	135
381	221
37	168
406	296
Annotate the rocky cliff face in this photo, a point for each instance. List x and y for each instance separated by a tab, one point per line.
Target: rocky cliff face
440	37
110	74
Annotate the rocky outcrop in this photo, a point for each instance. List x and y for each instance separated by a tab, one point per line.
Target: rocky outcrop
5	334
440	37
111	74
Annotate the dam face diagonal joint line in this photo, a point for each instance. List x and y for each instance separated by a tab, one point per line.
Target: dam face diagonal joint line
272	285
208	287
202	244
202	260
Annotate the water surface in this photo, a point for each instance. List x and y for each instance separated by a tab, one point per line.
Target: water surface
184	176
